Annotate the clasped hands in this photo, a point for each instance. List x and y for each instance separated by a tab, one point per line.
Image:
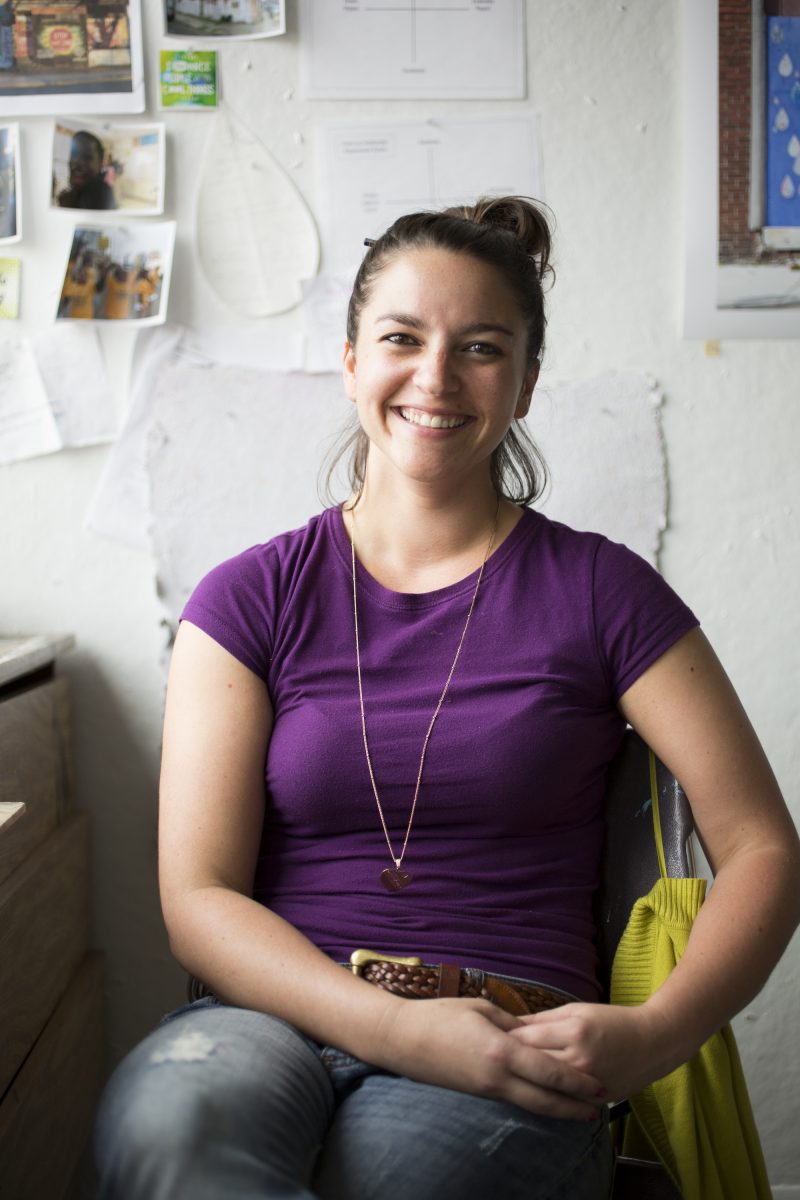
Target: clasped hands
568	1062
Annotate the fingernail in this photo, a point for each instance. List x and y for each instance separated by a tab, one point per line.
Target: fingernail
601	1092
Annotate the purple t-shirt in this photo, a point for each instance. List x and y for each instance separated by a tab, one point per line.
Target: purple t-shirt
506	840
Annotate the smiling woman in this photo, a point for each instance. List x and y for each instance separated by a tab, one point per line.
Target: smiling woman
439	371
510	235
391	728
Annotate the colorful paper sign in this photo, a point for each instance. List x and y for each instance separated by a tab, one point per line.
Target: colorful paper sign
188	78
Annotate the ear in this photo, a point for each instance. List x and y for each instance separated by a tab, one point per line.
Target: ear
526	392
349	371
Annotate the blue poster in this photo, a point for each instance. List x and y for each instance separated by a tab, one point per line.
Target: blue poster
783	121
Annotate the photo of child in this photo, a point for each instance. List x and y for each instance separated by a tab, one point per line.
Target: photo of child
116	167
118	274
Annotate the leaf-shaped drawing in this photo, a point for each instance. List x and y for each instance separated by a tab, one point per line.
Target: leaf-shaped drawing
256	238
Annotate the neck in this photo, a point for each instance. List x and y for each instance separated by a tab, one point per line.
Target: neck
419	538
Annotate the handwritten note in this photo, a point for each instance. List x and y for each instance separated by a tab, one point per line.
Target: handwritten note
27	425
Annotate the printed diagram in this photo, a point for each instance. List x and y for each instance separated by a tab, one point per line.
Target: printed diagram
416	13
424	48
372	172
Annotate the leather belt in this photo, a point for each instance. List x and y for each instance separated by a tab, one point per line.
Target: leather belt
415	980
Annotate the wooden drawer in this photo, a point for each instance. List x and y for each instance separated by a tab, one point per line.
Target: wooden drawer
34	767
44	933
46	1115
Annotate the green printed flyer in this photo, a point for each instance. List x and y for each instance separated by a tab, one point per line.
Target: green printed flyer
188	78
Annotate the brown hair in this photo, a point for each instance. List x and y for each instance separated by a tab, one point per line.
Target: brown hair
510	233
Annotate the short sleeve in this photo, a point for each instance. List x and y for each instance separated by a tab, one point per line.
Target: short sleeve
235	605
637	615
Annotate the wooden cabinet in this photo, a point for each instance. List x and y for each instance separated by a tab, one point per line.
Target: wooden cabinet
51	989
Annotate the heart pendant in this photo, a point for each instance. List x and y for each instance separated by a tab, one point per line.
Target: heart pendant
395	878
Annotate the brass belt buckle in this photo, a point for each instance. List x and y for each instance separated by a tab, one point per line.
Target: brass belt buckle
361	958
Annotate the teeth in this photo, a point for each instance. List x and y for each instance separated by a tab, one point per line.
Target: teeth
420	418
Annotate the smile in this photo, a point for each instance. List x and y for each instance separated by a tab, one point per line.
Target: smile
417	417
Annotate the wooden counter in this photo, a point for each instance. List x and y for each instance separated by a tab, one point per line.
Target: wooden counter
51	986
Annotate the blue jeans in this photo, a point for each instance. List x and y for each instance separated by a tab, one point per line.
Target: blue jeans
222	1103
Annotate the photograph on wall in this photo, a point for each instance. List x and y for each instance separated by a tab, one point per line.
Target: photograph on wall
758	171
9	288
71	57
224	20
113	168
188	79
10	191
741	269
782	165
118	273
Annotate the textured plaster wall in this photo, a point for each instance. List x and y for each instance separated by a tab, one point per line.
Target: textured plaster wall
607	78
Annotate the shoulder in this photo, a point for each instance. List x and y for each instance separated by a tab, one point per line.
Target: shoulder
629	612
239	602
562	557
560	537
265	562
575	550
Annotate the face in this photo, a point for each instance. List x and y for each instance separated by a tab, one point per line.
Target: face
84	161
439	369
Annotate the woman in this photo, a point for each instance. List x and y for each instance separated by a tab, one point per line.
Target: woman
436	678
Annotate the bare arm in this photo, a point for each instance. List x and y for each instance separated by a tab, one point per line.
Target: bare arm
685	707
217	728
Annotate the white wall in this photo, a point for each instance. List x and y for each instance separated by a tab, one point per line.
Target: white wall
607	78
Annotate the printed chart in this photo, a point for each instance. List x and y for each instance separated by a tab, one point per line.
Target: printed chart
390	49
374	172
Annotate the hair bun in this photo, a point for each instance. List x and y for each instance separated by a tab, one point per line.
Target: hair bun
528	221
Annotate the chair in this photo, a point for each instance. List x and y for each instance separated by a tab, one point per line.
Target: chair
630	868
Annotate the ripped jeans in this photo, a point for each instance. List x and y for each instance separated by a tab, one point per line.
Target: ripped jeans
222	1103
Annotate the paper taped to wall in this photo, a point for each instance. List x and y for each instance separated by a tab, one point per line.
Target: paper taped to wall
73	370
27	425
120	507
256	239
413	49
375	171
267	433
603	445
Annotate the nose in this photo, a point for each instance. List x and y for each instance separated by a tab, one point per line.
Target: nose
436	374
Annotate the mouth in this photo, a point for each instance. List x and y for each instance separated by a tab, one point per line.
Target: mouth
418	416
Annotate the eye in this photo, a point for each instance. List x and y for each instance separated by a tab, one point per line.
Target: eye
487	348
400	339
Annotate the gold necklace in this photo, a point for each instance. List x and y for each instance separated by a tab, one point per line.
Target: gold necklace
394	878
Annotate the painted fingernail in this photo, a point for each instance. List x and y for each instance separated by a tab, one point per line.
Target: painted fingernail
601	1092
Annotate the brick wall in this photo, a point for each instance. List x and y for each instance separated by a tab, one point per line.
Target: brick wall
736	242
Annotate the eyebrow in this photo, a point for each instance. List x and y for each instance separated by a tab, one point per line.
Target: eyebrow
465	331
